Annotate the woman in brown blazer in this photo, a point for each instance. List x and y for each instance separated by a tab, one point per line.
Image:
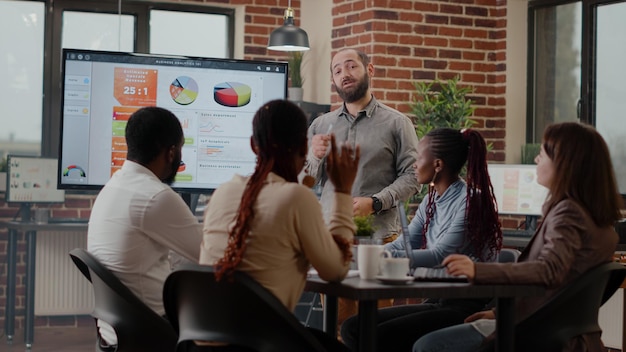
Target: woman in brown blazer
576	234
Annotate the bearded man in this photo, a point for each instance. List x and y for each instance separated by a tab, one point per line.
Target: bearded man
387	139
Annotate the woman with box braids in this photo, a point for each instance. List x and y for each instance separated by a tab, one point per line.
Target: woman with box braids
269	225
456	149
457	216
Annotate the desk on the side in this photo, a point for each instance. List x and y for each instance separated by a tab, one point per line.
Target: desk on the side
368	292
30	229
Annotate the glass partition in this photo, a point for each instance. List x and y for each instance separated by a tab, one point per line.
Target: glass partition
610	92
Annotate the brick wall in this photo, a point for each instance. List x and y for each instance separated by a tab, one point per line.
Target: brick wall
425	40
76	206
410	40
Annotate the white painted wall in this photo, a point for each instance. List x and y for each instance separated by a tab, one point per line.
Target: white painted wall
317	21
516	51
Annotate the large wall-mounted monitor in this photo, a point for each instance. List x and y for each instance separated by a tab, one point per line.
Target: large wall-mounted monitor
32	180
516	189
214	99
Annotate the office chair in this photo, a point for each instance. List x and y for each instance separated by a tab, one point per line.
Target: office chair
508	255
571	312
237	311
138	328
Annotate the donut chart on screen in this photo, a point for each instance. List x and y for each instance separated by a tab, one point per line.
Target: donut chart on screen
81	172
184	90
232	94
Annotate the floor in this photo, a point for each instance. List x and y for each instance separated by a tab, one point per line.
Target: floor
80	339
72	339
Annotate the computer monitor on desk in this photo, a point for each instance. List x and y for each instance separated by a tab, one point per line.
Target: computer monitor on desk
32	180
517	192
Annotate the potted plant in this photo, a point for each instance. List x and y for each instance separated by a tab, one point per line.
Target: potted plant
440	104
364	226
529	152
295	75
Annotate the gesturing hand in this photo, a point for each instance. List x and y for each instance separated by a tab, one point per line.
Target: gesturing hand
342	165
319	145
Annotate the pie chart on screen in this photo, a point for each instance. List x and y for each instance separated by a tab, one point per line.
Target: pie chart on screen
232	94
184	90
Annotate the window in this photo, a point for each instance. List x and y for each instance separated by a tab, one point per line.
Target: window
98	31
556	66
193	34
30	53
577	50
21	66
608	106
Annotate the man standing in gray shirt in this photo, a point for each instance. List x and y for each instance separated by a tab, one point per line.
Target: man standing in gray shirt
387	139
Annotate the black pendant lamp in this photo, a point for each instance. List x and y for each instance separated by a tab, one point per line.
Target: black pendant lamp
288	37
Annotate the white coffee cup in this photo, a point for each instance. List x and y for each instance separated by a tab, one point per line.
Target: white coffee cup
368	260
393	268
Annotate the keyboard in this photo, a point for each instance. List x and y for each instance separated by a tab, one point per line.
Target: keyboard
437	274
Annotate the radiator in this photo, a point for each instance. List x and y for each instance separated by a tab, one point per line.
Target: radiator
60	288
610	320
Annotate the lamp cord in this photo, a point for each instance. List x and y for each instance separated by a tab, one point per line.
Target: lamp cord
119	25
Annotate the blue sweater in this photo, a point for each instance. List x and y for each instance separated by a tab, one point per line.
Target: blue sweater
446	231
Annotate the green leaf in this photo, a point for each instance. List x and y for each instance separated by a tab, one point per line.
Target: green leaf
295	64
441	104
364	225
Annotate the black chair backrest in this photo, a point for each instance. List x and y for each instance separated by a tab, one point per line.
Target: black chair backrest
138	328
237	311
508	255
571	312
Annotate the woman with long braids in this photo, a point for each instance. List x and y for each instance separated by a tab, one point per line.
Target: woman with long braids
458	216
270	226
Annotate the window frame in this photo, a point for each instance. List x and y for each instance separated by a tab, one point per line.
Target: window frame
51	114
531	120
588	59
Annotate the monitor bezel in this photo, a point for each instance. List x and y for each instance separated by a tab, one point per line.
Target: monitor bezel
8	192
219	61
501	211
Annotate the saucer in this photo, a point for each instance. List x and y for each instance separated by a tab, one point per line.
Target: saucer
395	281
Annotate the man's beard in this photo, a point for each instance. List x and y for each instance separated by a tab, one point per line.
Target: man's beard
357	92
174	170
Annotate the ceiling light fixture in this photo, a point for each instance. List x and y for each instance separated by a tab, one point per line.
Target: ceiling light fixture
288	37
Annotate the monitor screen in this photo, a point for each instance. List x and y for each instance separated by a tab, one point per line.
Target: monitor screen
32	180
214	99
516	189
